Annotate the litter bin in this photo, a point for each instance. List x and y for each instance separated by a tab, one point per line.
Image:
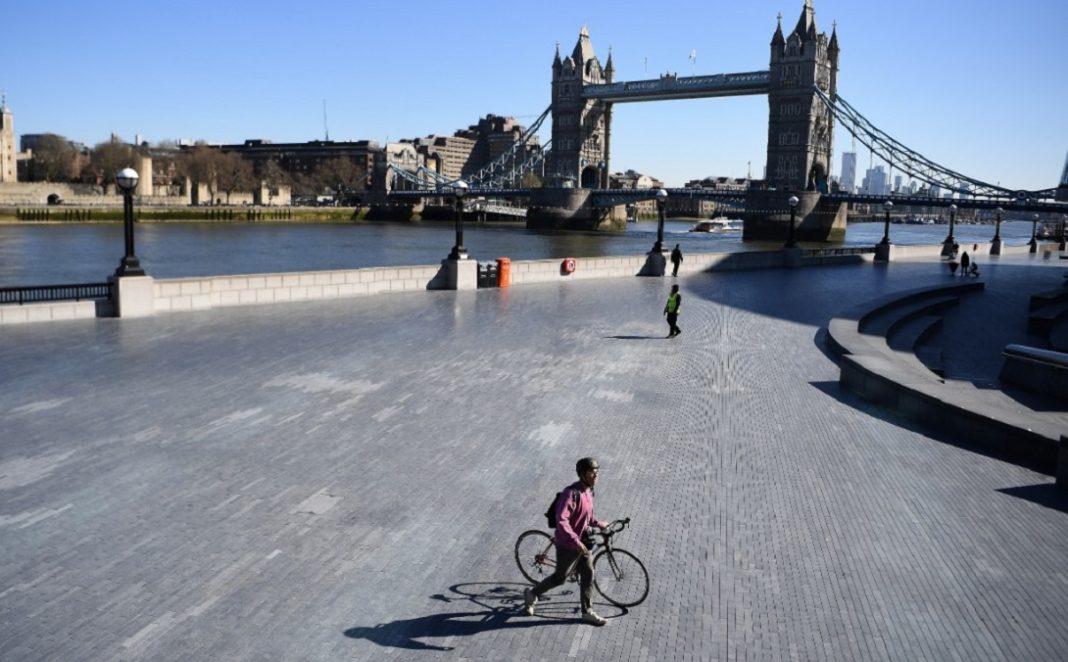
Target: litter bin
504	272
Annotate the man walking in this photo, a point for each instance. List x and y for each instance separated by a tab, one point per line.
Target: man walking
676	260
672	309
574	514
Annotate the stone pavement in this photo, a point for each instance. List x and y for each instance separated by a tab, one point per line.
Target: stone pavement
345	480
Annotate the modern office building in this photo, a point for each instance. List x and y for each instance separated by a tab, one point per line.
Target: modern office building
848	180
876	181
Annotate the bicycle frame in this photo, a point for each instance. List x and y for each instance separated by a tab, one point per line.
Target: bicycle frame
605	543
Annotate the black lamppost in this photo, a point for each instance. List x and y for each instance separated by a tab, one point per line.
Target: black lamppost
130	265
790	243
661	214
601	178
459	190
1034	234
995	244
947	245
888	205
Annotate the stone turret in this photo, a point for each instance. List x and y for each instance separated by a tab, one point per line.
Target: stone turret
800	126
579	126
8	167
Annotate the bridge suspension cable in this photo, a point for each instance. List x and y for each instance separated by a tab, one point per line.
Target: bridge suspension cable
912	162
512	164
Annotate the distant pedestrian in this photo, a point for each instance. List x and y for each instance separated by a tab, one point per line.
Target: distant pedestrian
975	248
672	309
974	271
676	260
964	261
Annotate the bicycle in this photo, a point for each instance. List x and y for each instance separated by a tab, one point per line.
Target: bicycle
622	579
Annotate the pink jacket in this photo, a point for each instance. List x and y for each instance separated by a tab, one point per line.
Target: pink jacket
574	514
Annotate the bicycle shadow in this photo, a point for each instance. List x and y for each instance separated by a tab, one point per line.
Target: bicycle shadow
501	608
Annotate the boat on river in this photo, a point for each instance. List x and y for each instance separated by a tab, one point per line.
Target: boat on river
720	224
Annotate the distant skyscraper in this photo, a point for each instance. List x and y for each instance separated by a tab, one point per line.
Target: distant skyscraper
897	183
849	172
876	181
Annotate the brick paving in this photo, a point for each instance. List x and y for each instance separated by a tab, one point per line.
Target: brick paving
345	480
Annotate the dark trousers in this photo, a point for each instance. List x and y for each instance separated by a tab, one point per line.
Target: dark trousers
673	319
564	560
675	269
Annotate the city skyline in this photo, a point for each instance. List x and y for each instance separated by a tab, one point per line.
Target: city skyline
249	71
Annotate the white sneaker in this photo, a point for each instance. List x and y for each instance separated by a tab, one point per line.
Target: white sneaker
592	618
529	600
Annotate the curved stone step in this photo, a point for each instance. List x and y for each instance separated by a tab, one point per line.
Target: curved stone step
1058	335
1049	296
1042	320
844	334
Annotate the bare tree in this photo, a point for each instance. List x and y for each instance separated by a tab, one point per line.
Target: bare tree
235	173
342	176
54	159
273	176
107	159
201	165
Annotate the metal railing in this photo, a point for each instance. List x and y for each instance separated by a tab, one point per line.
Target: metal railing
834	252
43	293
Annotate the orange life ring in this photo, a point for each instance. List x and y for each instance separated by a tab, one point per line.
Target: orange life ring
568	265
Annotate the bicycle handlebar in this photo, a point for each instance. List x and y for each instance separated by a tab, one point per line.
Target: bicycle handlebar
614	527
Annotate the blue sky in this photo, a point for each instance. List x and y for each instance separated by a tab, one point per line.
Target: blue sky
976	86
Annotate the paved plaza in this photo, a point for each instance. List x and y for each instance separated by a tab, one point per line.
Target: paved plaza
345	480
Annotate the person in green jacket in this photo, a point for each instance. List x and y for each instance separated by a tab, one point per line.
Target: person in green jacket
672	309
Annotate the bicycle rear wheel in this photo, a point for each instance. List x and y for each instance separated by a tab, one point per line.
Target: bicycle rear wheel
534	555
620	577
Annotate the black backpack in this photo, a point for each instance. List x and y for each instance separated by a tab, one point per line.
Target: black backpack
550	514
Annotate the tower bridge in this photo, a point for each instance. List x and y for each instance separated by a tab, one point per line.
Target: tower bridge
801	84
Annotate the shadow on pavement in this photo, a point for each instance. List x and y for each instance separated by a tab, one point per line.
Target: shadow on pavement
1044	494
499	606
636	337
834	390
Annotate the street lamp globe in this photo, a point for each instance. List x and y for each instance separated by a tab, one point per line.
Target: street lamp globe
793	200
459	188
888	205
127	179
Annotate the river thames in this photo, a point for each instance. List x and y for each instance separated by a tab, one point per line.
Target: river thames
59	253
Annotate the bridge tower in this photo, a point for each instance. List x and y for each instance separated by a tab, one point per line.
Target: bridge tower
800	126
580	126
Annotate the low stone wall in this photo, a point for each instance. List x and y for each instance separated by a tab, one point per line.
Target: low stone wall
54	311
181	294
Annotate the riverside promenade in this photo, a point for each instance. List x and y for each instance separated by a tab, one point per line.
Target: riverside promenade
345	479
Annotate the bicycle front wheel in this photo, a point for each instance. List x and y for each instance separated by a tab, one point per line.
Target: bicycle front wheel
534	555
620	577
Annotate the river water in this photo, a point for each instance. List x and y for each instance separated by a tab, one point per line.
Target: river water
49	254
